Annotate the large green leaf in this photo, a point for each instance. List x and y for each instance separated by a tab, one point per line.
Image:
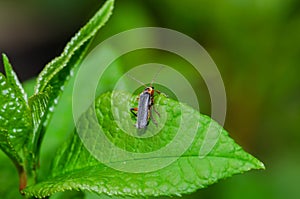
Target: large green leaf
54	76
76	168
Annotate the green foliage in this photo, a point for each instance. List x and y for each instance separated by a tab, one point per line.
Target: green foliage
55	74
24	123
75	168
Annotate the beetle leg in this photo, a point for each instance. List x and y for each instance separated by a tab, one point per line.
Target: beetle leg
151	116
153	119
156	111
133	110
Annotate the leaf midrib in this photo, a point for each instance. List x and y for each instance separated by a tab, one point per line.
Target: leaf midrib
164	157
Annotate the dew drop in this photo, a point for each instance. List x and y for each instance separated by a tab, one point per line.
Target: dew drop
55	101
19	130
126	190
4	106
12	95
72	73
51	109
5	92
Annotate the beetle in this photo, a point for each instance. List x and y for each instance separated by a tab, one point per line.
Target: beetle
145	105
143	112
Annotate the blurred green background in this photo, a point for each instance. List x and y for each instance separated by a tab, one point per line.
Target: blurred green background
254	43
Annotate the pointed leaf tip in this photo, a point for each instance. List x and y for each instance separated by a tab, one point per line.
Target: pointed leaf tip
4	56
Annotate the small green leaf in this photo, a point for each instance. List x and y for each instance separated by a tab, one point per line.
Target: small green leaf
75	168
38	104
15	116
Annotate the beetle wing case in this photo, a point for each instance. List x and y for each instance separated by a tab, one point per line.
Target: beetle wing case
143	110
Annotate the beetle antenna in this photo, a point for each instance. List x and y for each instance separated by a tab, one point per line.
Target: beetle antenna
155	76
143	84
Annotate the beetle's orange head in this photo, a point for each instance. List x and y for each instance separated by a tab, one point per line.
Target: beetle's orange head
150	90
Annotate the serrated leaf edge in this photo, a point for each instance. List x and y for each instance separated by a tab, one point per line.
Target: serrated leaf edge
70	48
